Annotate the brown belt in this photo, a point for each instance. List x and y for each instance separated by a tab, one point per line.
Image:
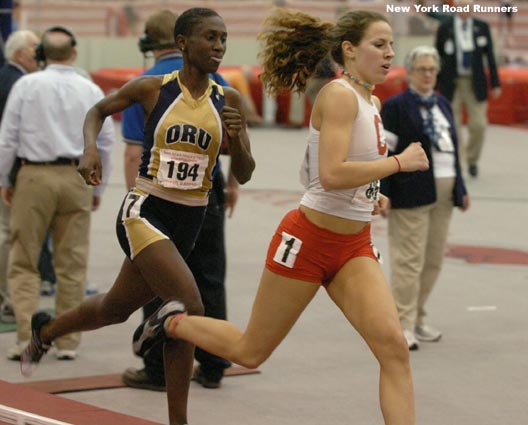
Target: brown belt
58	161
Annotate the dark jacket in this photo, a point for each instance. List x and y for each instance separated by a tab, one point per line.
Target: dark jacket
9	74
401	116
483	50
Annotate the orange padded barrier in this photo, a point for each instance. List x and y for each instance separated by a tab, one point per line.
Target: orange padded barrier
510	108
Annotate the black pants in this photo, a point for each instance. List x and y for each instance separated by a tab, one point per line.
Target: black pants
207	262
45	265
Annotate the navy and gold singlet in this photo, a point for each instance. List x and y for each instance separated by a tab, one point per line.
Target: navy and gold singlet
182	140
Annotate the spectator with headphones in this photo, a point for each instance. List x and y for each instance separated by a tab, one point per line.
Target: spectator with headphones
207	261
159	40
42	125
46	269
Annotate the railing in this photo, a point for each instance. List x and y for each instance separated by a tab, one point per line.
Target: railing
13	416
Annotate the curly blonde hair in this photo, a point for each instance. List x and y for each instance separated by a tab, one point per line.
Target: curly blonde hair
295	42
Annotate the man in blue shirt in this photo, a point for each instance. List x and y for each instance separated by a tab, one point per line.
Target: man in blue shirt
207	261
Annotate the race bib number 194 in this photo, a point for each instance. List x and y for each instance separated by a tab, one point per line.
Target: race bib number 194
182	170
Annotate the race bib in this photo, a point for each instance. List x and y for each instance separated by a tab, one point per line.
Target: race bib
131	207
368	193
181	170
377	254
287	251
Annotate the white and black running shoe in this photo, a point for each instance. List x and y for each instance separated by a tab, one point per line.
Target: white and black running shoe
36	348
152	330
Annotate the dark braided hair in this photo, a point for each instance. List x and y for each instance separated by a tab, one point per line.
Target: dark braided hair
188	19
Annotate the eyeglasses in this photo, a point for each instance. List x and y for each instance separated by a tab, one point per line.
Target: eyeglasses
425	70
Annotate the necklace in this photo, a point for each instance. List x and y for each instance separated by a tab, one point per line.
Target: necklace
368	86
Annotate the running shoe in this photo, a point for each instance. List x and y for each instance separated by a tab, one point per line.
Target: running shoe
65	354
427	333
7	314
16	350
36	348
412	342
206	381
139	378
47	288
152	330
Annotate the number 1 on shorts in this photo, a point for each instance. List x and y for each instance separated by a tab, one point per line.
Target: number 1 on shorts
287	251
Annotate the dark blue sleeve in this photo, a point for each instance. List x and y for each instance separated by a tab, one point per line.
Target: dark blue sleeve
390	119
132	124
389	116
218	79
5	19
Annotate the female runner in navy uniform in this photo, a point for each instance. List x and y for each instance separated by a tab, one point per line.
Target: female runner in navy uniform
161	217
326	242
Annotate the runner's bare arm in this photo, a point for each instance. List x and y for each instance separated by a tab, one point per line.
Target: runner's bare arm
234	121
142	90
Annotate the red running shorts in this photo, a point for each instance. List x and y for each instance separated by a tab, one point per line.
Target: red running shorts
301	250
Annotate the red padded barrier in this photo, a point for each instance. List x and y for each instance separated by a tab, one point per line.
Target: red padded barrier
510	108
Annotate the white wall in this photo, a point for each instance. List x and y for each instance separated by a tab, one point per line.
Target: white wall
110	52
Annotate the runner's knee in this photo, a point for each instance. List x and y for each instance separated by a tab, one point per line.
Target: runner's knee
389	345
249	358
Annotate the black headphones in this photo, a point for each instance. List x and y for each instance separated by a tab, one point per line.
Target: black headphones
39	50
147	44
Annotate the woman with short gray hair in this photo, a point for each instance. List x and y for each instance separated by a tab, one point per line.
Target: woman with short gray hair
421	203
420	52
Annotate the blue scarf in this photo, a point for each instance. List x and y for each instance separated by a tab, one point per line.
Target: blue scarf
428	124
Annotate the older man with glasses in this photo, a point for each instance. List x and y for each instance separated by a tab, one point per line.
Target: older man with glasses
20	56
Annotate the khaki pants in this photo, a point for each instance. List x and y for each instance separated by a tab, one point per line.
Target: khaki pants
56	198
417	238
4	249
477	120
